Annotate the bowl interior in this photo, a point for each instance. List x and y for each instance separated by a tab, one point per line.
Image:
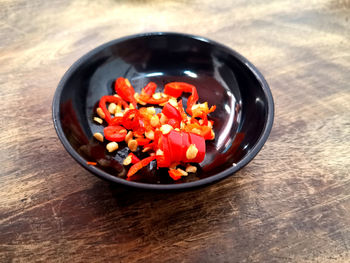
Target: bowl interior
222	77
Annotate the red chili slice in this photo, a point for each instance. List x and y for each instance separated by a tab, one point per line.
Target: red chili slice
175	145
174	123
124	89
149	89
139	165
165	159
134	158
175	89
171	112
142	141
131	119
110	99
185	144
175	174
115	133
116	121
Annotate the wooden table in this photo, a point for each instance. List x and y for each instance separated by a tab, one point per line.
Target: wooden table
290	204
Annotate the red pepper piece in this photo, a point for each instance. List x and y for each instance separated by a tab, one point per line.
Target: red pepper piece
205	131
174	123
151	100
175	142
165	159
115	133
182	111
142	141
175	89
171	112
174	174
110	99
131	119
199	142
157	136
124	89
149	89
139	165
116	121
184	146
157	101
91	163
134	158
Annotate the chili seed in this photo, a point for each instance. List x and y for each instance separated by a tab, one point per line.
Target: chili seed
149	134
151	110
159	152
156	96
132	144
127	82
163	119
112	107
191	169
100	113
173	102
183	173
191	152
98	136
98	120
127	160
119	114
197	131
129	136
155	121
166	128
112	146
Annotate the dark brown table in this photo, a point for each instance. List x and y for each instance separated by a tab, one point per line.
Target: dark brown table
290	204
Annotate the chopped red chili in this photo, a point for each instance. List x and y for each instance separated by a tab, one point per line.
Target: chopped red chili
172	137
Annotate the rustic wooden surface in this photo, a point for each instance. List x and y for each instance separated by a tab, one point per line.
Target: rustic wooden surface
290	204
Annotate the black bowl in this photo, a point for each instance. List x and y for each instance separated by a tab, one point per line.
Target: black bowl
243	117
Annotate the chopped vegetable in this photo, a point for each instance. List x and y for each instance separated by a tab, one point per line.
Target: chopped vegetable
115	133
139	165
172	137
124	89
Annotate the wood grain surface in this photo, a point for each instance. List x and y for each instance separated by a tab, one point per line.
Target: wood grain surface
290	204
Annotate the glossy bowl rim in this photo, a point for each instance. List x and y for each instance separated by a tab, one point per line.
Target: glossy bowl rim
187	185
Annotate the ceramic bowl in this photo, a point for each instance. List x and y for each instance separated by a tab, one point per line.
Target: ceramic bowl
243	117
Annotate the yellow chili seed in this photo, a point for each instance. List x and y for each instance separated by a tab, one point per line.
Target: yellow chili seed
112	146
155	121
156	96
183	173
100	113
191	169
159	152
166	128
132	144
191	152
129	136
98	136
98	120
127	160
163	119
112	107
149	134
